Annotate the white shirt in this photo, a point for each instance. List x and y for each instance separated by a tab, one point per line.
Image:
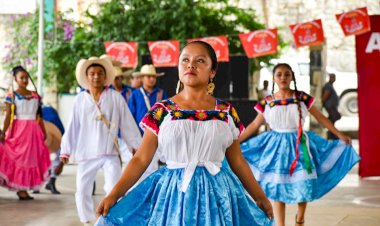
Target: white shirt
88	138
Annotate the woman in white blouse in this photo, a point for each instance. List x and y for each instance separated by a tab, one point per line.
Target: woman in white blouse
194	132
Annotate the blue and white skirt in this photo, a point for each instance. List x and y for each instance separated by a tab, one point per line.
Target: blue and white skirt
271	154
208	201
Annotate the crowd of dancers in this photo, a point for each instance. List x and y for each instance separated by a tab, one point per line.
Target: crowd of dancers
213	171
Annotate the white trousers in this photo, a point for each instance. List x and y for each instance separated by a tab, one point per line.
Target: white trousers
86	175
127	156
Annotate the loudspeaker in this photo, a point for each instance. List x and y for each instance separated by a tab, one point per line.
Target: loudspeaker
245	110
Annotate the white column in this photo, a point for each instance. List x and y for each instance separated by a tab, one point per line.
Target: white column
40	46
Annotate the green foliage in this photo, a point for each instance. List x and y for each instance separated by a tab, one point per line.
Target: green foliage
141	21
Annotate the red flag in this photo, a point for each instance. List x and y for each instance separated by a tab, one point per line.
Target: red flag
220	45
164	53
354	22
125	52
307	34
259	43
367	64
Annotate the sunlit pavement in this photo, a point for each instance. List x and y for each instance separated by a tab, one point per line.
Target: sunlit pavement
354	202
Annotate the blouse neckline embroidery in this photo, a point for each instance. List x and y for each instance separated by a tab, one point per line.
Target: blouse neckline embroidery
32	95
219	113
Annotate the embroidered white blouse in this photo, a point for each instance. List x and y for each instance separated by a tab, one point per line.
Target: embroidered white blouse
283	115
188	138
87	137
26	107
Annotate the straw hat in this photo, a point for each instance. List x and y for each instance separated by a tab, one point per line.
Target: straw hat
147	69
83	64
119	72
53	136
113	62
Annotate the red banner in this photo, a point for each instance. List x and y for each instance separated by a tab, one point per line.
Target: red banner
307	34
220	45
164	53
354	22
125	52
367	64
259	43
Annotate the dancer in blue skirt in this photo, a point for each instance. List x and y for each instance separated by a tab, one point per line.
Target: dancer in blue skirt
292	165
194	132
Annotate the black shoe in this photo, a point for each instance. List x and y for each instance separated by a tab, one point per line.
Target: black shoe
24	196
51	186
36	192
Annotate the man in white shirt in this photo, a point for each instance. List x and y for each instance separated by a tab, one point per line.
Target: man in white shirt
92	132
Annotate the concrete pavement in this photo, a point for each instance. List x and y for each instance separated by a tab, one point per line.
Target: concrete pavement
354	202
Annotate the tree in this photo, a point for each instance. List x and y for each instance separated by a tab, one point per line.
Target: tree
142	21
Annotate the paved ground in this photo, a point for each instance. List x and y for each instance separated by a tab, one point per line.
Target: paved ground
354	202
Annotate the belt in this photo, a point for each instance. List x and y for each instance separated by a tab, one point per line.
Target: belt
26	117
212	167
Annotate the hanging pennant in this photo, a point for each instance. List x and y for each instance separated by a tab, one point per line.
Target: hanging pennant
220	45
164	53
259	43
307	34
125	52
354	22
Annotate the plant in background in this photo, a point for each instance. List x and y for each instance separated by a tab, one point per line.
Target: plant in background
21	34
126	20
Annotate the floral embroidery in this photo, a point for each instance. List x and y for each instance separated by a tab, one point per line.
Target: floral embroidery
300	96
235	117
201	115
9	97
221	107
171	107
222	115
154	118
234	114
157	113
176	114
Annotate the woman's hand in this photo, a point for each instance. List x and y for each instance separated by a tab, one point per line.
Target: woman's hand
265	206
64	160
105	205
345	138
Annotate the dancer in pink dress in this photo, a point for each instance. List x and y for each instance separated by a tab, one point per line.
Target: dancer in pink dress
24	157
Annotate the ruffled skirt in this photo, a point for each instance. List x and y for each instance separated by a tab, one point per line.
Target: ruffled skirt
24	157
209	201
271	154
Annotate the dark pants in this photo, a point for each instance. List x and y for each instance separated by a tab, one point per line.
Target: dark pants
334	116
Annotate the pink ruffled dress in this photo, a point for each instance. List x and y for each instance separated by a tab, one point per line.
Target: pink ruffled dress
24	157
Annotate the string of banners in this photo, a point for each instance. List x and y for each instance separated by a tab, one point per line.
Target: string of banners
255	43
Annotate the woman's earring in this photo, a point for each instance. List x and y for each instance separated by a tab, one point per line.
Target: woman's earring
179	87
210	87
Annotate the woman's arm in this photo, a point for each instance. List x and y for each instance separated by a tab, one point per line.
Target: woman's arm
327	124
240	167
7	119
135	168
41	123
252	127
